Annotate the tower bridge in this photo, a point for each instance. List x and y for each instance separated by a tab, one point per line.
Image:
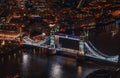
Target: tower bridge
83	48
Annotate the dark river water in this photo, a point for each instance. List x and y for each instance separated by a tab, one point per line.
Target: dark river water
30	64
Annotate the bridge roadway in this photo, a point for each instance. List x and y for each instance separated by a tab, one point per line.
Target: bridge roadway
89	49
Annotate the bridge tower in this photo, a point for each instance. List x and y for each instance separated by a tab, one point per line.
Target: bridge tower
81	44
52	36
83	39
52	39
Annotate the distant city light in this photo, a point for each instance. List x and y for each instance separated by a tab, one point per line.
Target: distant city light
3	42
51	25
43	34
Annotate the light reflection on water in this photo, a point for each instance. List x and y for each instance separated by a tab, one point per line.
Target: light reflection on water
79	71
29	66
25	59
25	63
56	71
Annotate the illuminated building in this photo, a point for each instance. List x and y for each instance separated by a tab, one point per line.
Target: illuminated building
9	32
